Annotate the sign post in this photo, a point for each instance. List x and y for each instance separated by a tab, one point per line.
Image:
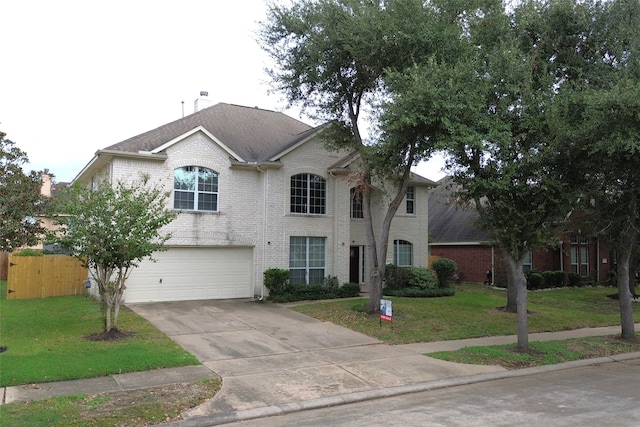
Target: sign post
386	311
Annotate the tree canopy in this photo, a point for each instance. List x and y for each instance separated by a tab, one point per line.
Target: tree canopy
333	57
598	119
20	199
497	104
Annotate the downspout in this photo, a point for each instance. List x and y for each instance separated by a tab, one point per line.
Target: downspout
265	185
336	244
493	265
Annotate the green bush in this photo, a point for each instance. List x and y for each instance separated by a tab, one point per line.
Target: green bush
396	277
348	290
329	289
276	280
420	277
301	292
574	279
332	284
408	277
553	279
535	280
29	252
444	268
419	292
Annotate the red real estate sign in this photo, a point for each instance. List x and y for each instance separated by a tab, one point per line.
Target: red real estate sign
386	311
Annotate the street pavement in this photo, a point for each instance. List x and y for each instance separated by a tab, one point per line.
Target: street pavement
273	360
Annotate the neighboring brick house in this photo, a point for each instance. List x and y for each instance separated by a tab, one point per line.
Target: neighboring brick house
454	235
256	189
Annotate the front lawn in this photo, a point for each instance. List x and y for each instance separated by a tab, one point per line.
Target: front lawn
471	313
46	340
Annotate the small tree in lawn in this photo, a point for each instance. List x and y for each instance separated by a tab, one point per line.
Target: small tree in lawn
111	229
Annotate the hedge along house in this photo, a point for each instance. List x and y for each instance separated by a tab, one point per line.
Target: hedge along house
454	235
255	189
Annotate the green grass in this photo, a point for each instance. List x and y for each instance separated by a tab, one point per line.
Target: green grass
46	341
471	313
540	353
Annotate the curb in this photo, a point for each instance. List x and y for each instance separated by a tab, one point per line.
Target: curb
292	407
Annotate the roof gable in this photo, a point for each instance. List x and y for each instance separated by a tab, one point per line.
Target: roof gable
248	134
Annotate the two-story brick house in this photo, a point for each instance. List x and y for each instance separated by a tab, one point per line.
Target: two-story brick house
255	189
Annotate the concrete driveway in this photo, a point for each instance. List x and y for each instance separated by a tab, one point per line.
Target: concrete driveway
268	354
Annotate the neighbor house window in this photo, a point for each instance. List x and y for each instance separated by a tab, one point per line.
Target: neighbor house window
307	260
527	264
308	194
411	200
195	188
356	204
580	255
402	253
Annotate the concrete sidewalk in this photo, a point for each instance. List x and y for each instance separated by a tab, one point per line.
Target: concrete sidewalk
273	361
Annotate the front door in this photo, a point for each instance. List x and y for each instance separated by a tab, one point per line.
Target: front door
354	264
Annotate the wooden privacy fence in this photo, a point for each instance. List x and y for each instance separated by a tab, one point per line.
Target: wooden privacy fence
44	276
433	258
4	265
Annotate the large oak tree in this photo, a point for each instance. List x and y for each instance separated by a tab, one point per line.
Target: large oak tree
598	119
333	57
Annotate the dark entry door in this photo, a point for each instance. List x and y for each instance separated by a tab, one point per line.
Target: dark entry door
354	264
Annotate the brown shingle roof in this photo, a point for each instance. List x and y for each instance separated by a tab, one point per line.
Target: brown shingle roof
254	134
449	221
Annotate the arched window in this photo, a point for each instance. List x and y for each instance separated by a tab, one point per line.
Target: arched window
402	253
308	194
195	188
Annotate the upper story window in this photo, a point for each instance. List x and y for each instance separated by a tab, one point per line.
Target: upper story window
402	253
411	200
356	204
195	188
308	194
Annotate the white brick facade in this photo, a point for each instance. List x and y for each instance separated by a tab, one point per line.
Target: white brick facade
254	206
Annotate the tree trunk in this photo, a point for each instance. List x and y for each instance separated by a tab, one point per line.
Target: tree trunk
512	285
107	313
624	294
375	279
633	264
514	270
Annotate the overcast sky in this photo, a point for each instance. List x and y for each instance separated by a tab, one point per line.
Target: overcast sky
78	76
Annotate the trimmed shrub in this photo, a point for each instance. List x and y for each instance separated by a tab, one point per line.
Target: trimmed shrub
276	280
348	290
553	279
409	277
331	283
396	277
444	268
535	281
574	279
420	277
329	289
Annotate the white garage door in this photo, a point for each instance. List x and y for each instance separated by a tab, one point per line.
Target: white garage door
181	274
